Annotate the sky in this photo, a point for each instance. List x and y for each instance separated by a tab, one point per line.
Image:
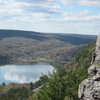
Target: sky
53	16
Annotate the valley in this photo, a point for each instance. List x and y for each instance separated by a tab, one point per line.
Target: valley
28	47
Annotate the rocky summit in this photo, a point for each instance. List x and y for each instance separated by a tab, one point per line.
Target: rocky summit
89	89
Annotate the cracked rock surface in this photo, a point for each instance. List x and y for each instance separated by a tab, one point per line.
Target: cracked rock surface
89	89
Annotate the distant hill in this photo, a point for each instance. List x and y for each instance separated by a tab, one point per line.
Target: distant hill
71	38
31	46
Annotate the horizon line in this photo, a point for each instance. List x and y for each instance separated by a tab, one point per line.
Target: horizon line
48	32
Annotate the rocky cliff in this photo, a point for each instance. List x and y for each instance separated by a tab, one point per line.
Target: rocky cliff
89	89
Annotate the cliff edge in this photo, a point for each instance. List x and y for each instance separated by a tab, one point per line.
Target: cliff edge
89	89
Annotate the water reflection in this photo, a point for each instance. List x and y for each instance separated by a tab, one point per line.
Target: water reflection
23	73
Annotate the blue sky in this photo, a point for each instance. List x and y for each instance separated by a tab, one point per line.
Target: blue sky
56	16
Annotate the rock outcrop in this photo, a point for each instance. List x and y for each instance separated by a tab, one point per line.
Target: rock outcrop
89	89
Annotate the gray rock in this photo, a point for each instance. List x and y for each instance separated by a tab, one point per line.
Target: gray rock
92	70
89	89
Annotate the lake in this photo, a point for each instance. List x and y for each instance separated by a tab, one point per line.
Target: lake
23	73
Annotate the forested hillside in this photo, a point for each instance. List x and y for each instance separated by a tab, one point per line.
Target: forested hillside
62	84
26	46
71	38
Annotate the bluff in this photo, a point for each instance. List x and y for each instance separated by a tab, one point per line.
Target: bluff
89	89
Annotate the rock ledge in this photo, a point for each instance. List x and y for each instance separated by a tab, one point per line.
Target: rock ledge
89	89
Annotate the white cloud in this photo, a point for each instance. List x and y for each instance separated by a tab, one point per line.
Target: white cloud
83	13
16	7
11	12
68	1
25	11
10	8
38	14
82	2
78	14
89	2
83	16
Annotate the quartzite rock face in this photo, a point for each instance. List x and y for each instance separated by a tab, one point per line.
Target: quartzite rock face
89	89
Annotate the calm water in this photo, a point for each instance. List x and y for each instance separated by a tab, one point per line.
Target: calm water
23	73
